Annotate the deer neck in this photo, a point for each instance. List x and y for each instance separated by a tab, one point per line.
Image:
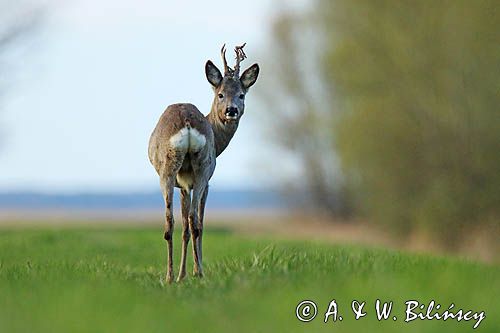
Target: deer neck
223	131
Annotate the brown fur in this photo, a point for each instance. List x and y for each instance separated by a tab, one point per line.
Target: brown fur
183	149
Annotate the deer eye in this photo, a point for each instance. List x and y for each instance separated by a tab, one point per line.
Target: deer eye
242	96
220	96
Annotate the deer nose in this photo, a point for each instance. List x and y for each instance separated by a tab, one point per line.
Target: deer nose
232	111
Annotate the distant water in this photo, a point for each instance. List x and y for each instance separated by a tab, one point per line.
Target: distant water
217	199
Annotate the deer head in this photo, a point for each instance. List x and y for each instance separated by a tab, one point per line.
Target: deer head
230	89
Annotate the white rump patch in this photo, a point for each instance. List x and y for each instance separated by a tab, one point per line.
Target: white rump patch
180	140
188	139
196	140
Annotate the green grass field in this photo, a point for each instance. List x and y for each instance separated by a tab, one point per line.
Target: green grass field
110	280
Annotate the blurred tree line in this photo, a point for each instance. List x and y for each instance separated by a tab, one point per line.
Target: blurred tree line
393	109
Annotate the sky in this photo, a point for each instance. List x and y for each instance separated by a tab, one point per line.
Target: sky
101	73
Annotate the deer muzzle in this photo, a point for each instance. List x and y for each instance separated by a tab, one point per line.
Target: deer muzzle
231	113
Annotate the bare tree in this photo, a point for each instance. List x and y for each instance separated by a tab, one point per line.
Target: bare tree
19	22
295	93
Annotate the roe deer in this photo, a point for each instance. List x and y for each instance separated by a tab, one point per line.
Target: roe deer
183	148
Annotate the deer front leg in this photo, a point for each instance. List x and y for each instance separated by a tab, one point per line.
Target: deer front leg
201	216
194	225
185	205
168	194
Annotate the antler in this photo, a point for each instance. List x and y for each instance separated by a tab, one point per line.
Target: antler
240	56
227	69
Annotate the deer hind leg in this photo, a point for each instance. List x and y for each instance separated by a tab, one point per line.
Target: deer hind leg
167	187
167	183
194	225
185	206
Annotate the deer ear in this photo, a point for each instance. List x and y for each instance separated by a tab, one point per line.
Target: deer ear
249	76
213	74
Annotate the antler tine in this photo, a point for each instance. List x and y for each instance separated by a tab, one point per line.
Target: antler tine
240	56
223	54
